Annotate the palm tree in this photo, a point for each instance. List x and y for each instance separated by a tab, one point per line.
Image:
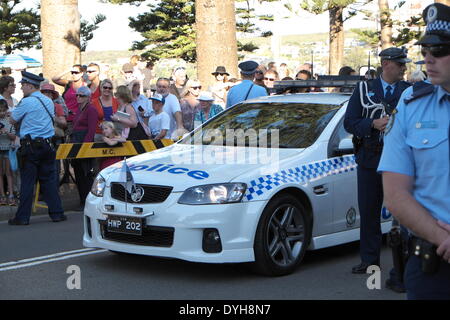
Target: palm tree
60	27
215	38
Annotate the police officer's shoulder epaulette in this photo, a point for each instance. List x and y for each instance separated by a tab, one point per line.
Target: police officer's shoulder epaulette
420	90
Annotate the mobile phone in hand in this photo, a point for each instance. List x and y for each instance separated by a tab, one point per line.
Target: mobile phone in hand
141	109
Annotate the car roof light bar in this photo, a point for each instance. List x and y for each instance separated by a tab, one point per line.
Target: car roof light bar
322	82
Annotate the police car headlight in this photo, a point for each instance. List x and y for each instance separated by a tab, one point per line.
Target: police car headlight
98	187
214	194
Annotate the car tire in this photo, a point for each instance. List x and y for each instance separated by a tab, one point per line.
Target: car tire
282	236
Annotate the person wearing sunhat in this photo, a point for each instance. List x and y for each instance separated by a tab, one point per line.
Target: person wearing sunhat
207	108
35	114
366	118
246	89
415	165
219	88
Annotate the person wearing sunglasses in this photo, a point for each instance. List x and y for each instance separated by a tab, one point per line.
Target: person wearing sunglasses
366	117
71	80
259	76
84	126
189	104
269	79
93	73
106	105
416	165
219	88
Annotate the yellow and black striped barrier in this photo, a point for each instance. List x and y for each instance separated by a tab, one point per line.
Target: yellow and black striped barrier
102	149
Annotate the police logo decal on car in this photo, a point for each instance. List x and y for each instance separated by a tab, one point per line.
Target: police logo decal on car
351	217
137	194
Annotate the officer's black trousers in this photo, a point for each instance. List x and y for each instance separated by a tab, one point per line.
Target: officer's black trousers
84	177
39	164
370	201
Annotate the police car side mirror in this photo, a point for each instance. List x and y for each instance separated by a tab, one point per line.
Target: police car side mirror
345	147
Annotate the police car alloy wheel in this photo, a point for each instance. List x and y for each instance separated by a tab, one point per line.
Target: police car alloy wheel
283	234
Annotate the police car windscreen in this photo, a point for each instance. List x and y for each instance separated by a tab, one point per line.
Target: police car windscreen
265	125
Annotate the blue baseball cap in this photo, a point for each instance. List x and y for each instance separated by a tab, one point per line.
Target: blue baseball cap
158	97
248	67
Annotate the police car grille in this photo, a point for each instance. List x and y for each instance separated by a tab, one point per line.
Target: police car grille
152	194
151	236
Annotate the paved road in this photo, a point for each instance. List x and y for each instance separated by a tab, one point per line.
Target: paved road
34	260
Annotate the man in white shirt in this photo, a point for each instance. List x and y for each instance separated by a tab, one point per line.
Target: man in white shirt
172	108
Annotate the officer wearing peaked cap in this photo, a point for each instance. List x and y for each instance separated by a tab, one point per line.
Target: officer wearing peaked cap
246	89
366	117
416	165
35	114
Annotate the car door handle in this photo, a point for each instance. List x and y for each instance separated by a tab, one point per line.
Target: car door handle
319	190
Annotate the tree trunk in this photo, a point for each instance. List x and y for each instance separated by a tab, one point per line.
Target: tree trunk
385	24
60	28
216	38
336	57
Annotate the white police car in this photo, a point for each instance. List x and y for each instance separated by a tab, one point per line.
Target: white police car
261	182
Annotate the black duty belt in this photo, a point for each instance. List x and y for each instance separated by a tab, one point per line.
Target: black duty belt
426	252
36	141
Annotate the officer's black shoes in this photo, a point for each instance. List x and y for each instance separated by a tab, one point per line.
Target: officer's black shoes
395	286
59	219
15	222
361	268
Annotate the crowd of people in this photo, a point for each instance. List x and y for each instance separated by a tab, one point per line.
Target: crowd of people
92	109
136	107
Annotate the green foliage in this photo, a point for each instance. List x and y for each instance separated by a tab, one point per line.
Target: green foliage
87	30
18	29
321	6
168	29
408	30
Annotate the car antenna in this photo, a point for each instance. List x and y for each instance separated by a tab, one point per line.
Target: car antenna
369	76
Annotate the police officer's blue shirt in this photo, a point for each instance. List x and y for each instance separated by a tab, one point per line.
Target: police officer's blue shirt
385	85
239	92
33	119
418	146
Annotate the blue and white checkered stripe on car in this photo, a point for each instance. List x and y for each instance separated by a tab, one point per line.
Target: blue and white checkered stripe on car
305	173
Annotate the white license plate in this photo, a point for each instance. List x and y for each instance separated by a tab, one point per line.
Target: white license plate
127	225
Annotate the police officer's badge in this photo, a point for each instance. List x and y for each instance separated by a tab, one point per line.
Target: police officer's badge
390	123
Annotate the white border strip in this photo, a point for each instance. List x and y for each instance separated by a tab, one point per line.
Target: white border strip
13	265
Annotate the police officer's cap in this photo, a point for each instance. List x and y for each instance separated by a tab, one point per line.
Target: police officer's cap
437	18
28	77
248	67
395	54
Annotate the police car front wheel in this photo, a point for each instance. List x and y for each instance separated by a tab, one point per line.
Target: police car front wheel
283	234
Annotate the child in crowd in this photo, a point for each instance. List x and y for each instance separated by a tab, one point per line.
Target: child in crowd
111	137
159	122
7	137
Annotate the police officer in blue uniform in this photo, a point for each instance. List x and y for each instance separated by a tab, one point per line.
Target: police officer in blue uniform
35	114
366	117
416	165
246	89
